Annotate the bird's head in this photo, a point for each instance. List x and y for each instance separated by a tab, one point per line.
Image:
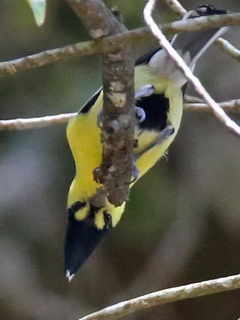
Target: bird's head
87	225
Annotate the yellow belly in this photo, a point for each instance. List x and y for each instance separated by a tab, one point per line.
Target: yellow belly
84	139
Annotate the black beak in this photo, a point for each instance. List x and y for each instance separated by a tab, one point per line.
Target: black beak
81	239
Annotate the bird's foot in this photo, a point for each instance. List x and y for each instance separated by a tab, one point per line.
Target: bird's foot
144	91
140	114
100	119
165	133
135	173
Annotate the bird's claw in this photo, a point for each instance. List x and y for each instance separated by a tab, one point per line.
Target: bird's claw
139	114
100	119
144	91
135	173
166	132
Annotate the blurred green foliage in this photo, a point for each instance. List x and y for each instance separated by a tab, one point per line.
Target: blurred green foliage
182	223
39	10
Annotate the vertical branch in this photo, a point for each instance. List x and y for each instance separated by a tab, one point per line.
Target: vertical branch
97	18
116	169
118	99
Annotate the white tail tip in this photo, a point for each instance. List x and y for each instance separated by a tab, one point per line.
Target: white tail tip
69	275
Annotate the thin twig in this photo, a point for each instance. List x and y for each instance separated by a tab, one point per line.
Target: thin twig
34	123
219	113
192	99
193	104
228	106
227	47
107	44
176	7
49	56
166	296
202	23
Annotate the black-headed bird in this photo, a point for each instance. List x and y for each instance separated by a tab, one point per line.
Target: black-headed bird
159	106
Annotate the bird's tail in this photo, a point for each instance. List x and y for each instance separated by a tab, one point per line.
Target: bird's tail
190	45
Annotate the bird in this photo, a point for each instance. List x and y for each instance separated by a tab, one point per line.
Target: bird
159	90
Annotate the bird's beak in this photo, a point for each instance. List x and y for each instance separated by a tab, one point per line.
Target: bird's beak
81	239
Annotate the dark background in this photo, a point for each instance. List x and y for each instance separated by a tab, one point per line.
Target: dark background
182	223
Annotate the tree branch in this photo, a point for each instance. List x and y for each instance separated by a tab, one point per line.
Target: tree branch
228	106
113	42
219	113
202	23
189	291
192	104
97	18
117	136
35	123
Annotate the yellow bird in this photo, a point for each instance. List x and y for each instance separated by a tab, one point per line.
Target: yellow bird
159	105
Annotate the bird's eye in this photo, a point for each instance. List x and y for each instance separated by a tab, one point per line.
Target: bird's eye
107	220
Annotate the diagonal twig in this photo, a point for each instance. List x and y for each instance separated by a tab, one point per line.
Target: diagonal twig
166	296
219	113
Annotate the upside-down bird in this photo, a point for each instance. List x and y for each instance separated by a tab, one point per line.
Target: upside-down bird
159	104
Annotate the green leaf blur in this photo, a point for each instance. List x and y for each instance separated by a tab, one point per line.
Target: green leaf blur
39	10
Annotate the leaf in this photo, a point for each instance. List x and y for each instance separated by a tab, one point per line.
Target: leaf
39	10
